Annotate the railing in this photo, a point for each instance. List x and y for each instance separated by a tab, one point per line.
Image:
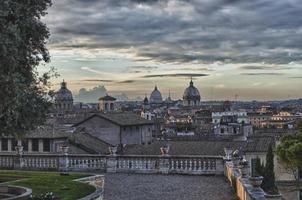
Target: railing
40	162
115	163
86	162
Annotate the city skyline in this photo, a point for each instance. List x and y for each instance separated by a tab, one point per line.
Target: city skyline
228	47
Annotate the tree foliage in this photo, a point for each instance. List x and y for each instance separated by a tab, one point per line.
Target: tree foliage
289	152
23	37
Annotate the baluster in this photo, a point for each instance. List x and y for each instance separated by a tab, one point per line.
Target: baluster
181	164
190	165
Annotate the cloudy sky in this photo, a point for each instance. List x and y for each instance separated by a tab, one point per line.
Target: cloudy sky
249	48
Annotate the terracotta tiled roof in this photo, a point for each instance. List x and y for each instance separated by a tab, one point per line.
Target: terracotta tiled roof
212	148
121	119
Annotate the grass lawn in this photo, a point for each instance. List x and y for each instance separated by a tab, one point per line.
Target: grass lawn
41	182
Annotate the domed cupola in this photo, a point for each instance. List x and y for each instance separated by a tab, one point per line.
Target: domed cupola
63	98
191	96
155	96
145	101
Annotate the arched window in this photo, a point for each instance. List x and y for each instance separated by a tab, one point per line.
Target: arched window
111	106
106	106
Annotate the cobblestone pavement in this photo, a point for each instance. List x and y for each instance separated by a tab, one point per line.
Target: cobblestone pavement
166	187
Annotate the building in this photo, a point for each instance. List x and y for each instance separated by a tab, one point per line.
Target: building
241	116
118	128
156	96
107	104
259	120
191	96
63	99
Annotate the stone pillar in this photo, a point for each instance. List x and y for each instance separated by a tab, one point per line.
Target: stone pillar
111	164
30	146
18	159
219	166
164	164
40	145
64	161
9	145
111	160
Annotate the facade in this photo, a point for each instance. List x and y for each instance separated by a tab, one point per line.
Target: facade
191	96
118	128
63	99
44	139
241	117
260	120
107	104
156	96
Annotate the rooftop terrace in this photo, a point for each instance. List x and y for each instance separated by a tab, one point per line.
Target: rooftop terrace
166	187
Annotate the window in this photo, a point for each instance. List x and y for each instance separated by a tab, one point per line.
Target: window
253	165
25	144
124	128
46	145
4	143
137	128
35	145
222	130
14	143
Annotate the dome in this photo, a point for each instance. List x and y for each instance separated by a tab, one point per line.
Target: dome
191	93
63	94
146	101
155	96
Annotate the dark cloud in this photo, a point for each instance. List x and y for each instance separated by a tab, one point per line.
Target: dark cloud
263	74
263	67
126	81
196	69
143	67
174	75
108	81
179	31
97	80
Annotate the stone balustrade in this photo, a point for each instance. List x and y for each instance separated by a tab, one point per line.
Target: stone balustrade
165	164
243	186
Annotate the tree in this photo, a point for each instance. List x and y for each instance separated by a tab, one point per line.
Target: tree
23	91
258	168
268	183
289	152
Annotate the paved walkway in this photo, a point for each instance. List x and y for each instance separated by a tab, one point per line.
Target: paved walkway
166	187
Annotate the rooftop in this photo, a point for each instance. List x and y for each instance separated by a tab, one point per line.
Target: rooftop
121	119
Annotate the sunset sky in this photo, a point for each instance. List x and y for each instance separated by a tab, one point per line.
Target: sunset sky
250	48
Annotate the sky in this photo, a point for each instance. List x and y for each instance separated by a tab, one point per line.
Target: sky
248	49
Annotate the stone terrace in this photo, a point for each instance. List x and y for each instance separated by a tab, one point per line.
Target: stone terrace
166	187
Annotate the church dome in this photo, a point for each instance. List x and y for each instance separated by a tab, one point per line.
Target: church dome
191	93
155	96
63	94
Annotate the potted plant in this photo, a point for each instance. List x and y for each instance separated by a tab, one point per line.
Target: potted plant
113	150
228	153
165	150
236	158
65	149
256	181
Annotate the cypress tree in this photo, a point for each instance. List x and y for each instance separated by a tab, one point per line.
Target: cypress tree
268	183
